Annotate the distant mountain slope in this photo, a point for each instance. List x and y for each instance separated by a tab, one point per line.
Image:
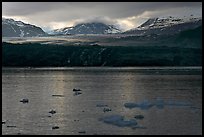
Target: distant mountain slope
191	38
169	25
88	28
12	28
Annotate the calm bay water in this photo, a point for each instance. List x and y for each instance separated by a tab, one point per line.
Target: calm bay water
103	85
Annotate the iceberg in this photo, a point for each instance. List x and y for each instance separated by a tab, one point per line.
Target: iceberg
25	100
159	103
142	105
101	105
106	109
139	117
119	121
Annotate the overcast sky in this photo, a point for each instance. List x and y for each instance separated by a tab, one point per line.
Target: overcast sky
127	15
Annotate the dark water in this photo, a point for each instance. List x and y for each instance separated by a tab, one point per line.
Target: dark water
110	86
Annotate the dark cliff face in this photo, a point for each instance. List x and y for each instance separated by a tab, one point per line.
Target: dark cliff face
41	55
12	28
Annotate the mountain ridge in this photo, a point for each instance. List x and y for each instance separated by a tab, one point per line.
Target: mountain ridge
12	28
88	28
161	26
158	25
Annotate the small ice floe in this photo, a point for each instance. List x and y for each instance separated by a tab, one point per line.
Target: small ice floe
76	89
131	105
55	127
119	121
195	109
101	105
177	103
139	117
106	109
142	105
58	95
159	103
77	93
10	126
82	132
52	111
25	100
140	127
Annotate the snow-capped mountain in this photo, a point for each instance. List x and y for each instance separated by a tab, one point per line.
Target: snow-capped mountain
168	25
88	28
12	28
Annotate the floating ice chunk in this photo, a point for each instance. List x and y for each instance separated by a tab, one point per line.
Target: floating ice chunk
146	104
58	95
126	123
52	111
10	126
25	100
139	117
119	121
195	109
83	132
112	118
143	105
101	105
140	127
159	103
77	93
177	103
55	127
75	89
131	105
106	109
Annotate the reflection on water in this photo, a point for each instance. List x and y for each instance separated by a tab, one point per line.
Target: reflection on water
112	86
